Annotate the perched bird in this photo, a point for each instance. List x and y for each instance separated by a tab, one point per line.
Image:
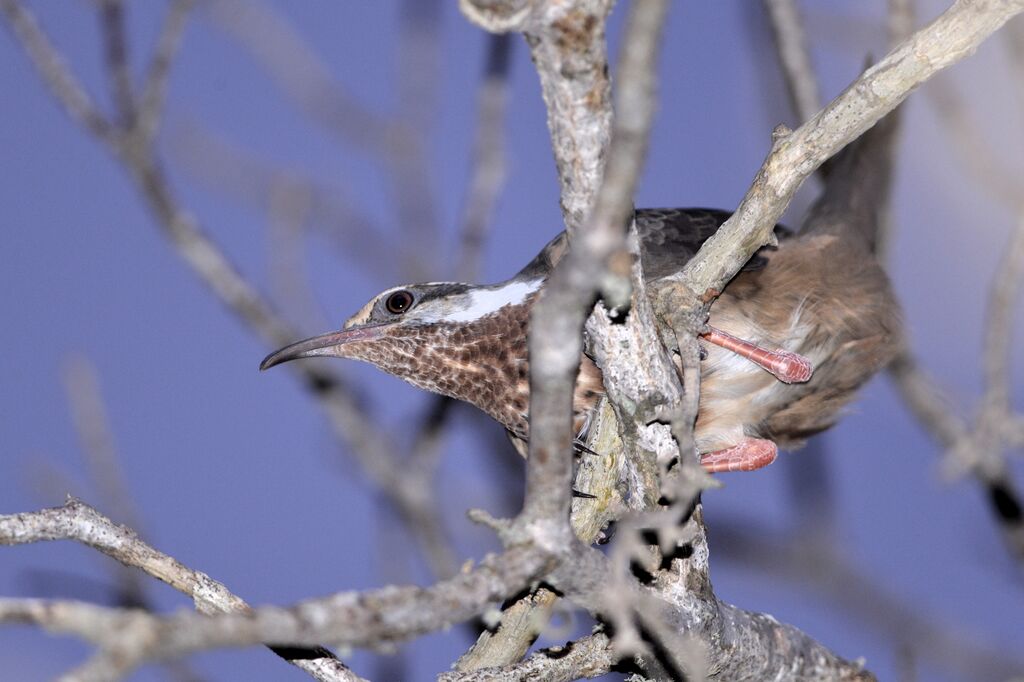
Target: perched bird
819	298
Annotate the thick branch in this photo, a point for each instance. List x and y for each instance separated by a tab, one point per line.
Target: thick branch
740	645
370	619
953	36
79	522
558	318
567	44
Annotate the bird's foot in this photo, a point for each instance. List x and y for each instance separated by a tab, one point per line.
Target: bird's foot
786	366
747	455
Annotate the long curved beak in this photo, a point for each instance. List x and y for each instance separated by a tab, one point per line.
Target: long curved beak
325	344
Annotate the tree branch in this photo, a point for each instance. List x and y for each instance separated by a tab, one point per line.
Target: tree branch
794	58
55	72
79	522
488	171
585	658
955	34
154	87
115	51
370	619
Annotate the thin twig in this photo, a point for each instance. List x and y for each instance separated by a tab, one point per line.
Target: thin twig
827	569
90	419
794	57
89	415
55	72
289	205
395	140
980	158
297	71
1000	312
899	21
154	87
252	179
486	180
405	153
488	170
115	51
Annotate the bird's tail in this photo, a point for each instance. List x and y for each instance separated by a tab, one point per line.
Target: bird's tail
857	186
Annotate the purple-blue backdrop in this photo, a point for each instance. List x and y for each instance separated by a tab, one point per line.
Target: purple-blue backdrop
235	473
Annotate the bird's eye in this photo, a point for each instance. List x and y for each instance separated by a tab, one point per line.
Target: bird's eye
399	302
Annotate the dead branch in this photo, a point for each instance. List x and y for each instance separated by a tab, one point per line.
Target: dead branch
372	619
794	57
795	155
584	658
79	522
89	414
395	140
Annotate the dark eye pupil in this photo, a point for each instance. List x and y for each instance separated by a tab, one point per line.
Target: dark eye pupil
399	302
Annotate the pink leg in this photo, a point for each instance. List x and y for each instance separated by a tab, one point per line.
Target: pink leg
747	455
787	367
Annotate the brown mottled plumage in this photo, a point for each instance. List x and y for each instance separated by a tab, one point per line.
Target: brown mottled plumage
820	294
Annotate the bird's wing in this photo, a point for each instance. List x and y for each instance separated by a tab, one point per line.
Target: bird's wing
669	237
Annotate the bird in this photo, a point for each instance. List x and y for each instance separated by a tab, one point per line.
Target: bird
789	340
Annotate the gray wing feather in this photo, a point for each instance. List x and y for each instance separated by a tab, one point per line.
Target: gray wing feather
669	238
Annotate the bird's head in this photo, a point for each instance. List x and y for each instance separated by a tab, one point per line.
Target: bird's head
432	335
388	316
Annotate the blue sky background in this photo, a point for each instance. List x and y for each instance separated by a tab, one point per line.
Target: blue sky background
235	473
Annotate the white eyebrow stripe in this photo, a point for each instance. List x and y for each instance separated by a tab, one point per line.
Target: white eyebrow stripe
483	302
